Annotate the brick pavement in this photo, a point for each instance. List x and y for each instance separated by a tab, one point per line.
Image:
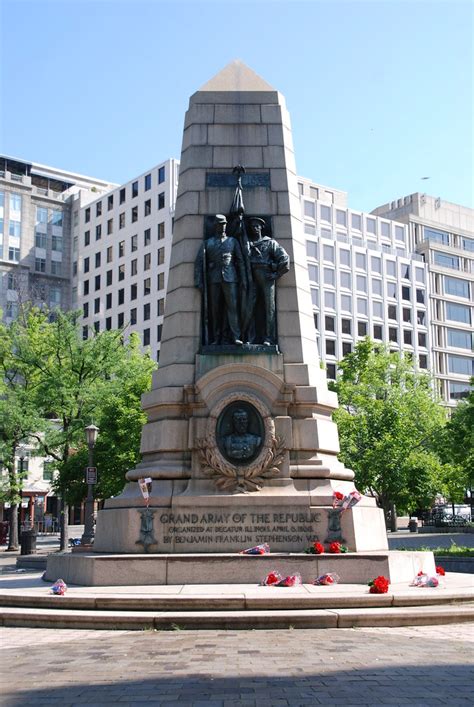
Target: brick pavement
431	665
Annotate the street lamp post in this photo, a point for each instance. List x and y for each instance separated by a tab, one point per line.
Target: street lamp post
21	457
91	436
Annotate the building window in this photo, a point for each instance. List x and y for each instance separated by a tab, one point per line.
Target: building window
345	257
122	220
325	213
98	208
41	240
160	284
446	261
329	299
458	391
432	234
97	283
356	222
86	264
108	323
133	291
87	238
147	261
97	259
146	337
87	215
85	332
133	316
97	305
85	310
134	189
134	267
161	200
120	320
341	218
460	364
392	290
121	272
331	371
376	264
110	226
147	237
420	316
312	249
458	313
147	207
346	326
392	311
346	348
392	334
362	328
146	311
56	267
134	214
361	283
456	287
309	209
122	196
14	229
423	361
146	286
161	256
315	297
121	249
57	243
361	261
329	276
161	175
160	308
328	253
108	300
362	306
330	347
85	287
346	279
315	318
378	331
406	314
407	337
159	330
108	276
377	309
420	296
421	339
48	470
110	202
329	323
161	231
405	293
110	254
346	303
41	214
460	339
376	287
134	243
147	182
121	296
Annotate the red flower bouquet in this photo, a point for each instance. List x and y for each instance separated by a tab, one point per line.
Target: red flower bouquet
318	548
440	570
327	579
379	585
263	549
336	548
273	578
293	580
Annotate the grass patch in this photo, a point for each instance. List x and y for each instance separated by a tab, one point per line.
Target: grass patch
453	551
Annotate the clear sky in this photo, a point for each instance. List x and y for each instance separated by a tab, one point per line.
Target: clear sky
380	92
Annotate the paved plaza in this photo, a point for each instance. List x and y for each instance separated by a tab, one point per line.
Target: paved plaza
431	665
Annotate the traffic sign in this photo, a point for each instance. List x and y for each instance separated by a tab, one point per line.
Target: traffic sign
91	475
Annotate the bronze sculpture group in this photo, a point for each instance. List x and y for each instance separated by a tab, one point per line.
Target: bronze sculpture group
236	275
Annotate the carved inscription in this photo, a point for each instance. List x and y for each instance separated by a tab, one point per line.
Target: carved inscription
235	527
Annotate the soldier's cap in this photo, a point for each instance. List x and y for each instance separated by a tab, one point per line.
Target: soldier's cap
256	219
220	218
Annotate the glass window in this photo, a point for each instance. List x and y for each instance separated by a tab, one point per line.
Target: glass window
457	287
110	202
147	261
108	323
345	257
432	234
458	312
378	331
121	296
85	287
405	293
161	200
341	217
362	328
109	254
15	202
134	267
312	249
376	264
377	309
405	271
327	233
146	311
161	231
325	213
392	311
330	347
121	249
56	267
407	337
419	275
40	264
134	189
108	300
361	283
110	226
97	282
420	296
161	256
468	244
356	222
14	228
346	326
313	273
329	323
331	371
87	215
147	237
420	316
120	320
390	268
133	316
400	233
458	391
385	228
362	306
122	220
346	279
85	332
160	283
461	364
423	361
122	195
147	182
346	303
160	307
147	207
391	289
41	215
315	296
97	305
421	339
309	209
330	300
146	337
392	334
346	348
41	240
310	229
98	208
446	261
161	175
87	238
133	291
97	259
86	264
376	287
406	314
109	277
328	253
121	272
370	225
134	214
147	286
460	339
361	261
329	276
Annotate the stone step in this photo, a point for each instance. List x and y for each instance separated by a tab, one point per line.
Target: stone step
273	599
228	619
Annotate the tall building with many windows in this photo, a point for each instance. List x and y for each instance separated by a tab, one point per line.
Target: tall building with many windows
443	234
35	232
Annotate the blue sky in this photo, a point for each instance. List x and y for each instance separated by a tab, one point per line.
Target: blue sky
380	93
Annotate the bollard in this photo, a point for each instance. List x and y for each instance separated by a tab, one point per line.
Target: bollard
28	542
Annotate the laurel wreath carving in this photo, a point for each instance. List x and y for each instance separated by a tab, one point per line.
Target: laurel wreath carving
228	477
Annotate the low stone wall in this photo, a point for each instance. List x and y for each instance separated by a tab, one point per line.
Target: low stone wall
456	564
427	529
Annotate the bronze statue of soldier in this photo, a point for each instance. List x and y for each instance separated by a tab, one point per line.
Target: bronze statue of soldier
219	272
268	262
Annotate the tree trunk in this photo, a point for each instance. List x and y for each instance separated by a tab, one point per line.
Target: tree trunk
393	518
13	532
64	525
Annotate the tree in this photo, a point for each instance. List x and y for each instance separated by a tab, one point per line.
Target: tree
388	422
74	380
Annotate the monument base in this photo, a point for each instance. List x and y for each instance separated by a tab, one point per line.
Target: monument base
222	568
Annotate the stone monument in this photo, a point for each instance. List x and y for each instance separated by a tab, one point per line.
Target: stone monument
239	445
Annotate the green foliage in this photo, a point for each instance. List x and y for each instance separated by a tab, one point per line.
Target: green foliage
389	420
452	551
456	448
